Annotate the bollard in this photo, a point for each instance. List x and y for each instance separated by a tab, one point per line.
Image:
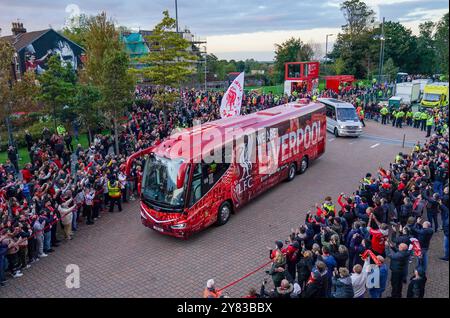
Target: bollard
404	138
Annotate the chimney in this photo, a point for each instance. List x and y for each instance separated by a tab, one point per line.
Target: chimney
17	28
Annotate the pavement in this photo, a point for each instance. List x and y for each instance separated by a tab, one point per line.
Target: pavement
119	257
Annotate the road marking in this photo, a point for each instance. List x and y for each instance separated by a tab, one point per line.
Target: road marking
374	146
332	139
351	143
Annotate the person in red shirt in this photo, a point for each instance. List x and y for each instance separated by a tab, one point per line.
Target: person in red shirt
26	173
379	236
291	252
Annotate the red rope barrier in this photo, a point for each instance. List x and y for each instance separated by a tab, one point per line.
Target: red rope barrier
244	277
48	225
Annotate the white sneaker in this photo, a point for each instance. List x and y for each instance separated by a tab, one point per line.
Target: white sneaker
17	274
28	266
43	255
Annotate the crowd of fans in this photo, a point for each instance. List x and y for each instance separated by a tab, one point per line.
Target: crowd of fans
343	251
62	185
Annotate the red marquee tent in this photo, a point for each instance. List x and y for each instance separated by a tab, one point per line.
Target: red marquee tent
333	82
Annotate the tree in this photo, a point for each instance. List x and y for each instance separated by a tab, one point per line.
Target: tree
105	74
117	87
339	66
76	29
169	61
400	46
425	56
318	51
441	43
57	87
101	37
6	79
86	107
6	83
292	50
359	17
390	69
354	45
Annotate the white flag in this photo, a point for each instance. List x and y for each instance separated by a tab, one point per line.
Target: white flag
232	100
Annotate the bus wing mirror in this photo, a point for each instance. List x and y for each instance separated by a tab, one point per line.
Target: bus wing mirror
181	175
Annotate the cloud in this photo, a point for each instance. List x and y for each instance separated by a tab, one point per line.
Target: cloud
215	19
420	14
264	42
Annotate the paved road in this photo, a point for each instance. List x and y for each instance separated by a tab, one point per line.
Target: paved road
118	257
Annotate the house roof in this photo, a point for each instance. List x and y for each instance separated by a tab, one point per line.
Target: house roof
22	40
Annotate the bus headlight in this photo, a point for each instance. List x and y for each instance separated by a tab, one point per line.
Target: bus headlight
179	226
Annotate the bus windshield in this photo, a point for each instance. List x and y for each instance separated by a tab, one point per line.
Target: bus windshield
431	97
159	184
346	114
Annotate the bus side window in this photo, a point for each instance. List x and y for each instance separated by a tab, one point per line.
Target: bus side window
212	172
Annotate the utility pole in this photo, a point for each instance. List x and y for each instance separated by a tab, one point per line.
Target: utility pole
176	14
382	39
326	54
206	69
326	47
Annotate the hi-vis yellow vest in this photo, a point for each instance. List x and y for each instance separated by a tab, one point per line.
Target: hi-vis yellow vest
114	192
329	208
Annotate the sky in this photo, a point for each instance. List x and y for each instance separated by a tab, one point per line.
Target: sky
234	29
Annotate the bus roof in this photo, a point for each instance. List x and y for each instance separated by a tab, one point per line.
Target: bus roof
189	143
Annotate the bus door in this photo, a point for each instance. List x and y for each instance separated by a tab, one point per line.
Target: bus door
206	195
195	195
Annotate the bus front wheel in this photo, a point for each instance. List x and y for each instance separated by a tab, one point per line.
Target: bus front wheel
224	213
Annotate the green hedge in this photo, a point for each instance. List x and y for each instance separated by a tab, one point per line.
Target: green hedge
19	136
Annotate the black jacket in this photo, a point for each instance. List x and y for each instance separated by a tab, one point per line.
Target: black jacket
342	287
304	268
416	287
423	235
341	259
399	259
314	289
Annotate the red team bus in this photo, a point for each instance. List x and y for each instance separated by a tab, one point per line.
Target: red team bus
201	175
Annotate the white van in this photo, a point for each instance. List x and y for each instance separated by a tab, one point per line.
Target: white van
342	119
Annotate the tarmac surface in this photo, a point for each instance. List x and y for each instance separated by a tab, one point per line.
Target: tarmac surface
119	257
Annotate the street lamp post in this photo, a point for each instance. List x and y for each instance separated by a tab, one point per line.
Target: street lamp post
176	14
326	47
381	63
